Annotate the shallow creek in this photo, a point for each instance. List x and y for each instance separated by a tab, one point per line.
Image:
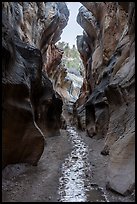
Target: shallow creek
75	184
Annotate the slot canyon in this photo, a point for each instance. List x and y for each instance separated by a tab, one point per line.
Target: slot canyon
68	134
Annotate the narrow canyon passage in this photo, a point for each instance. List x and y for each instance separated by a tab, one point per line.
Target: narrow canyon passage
68	104
71	169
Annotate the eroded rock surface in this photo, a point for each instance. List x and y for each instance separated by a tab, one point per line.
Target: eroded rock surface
31	108
31	102
107	48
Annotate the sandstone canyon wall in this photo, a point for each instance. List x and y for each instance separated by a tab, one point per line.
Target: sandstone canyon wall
34	82
31	108
106	105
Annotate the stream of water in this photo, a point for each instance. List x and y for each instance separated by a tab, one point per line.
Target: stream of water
75	183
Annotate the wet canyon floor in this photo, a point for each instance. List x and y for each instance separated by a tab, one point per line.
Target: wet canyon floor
71	169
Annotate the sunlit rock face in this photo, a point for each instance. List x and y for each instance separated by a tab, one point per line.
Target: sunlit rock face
67	82
31	108
107	49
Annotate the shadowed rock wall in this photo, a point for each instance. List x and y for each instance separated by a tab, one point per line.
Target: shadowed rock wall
106	106
31	109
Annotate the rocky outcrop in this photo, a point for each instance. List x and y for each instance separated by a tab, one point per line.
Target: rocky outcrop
107	49
31	108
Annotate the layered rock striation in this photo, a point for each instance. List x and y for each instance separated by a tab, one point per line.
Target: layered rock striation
34	82
106	106
31	108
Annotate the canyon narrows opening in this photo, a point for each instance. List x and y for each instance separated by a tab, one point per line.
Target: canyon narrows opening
68	101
